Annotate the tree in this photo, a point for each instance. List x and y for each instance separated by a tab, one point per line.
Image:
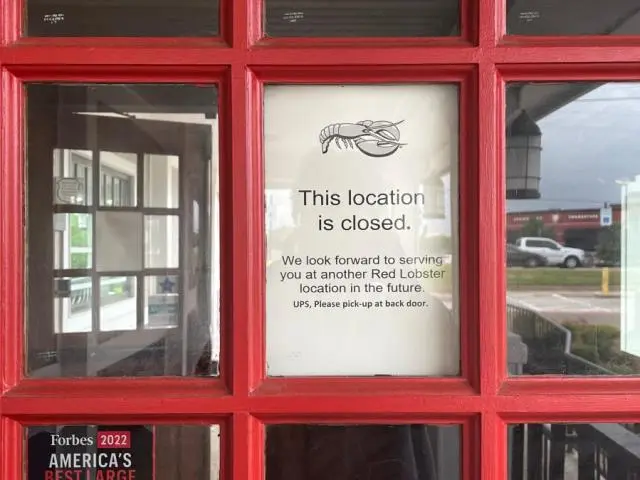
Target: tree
537	228
608	247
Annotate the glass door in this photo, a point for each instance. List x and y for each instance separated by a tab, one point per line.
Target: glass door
126	259
284	239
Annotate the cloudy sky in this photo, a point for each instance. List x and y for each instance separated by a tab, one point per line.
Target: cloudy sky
587	145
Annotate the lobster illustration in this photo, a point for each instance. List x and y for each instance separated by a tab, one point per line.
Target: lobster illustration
374	139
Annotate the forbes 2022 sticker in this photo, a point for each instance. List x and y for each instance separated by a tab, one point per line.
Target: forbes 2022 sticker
80	452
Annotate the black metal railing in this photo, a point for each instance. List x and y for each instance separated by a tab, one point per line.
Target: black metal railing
112	290
596	451
549	345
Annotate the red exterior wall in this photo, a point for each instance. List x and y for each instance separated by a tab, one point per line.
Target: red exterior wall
561	220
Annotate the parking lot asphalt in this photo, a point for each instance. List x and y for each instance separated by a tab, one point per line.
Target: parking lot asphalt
566	306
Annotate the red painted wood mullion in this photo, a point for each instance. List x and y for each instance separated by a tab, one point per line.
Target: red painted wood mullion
469	277
491	21
584	41
571	385
390	407
186	53
247	211
491	206
11	450
490	447
369	73
140	54
493	447
564	55
470	451
238	28
247	448
227	198
11	233
10	21
352	386
588	71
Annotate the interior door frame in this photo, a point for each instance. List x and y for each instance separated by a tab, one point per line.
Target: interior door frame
241	61
71	131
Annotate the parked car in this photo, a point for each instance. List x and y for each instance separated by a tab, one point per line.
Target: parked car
555	253
517	257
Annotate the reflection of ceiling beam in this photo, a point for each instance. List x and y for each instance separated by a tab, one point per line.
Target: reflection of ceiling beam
131	135
542	99
140	99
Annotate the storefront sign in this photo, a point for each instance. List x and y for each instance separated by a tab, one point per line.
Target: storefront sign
606	217
90	453
361	183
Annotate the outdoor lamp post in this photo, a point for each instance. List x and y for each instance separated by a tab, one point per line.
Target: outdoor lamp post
433	188
524	140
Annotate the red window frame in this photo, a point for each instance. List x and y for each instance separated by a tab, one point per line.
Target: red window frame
483	400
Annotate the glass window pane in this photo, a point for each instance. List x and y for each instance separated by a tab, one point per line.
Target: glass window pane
375	452
117	195
122	18
71	182
126	300
161	181
72	306
362	229
107	186
118	306
72	241
119	241
117	168
162	295
572	180
573	451
362	18
572	17
122	452
162	239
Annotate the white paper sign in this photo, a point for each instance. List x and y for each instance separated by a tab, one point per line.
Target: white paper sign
360	230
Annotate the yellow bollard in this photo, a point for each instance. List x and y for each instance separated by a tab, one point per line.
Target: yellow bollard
605	281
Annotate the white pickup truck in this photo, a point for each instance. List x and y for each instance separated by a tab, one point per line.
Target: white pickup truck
555	253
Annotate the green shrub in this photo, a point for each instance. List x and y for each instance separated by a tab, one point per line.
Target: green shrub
600	344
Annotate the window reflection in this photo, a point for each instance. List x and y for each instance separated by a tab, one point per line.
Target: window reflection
362	18
572	241
605	451
373	452
573	17
121	18
120	194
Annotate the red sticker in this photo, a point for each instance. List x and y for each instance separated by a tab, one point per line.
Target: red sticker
114	440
